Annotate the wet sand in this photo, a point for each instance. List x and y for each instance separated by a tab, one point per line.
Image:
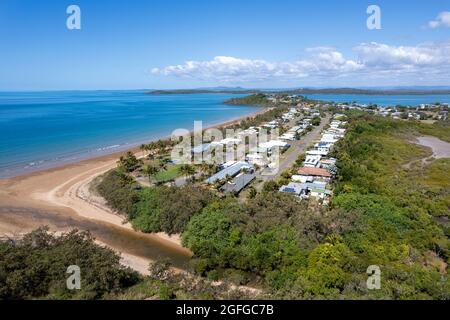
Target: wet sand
57	198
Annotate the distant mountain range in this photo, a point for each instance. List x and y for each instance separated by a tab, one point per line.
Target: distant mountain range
413	90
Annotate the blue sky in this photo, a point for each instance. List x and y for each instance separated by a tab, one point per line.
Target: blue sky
148	44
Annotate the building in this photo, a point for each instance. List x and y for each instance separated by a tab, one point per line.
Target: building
256	159
298	189
288	136
302	179
320	173
238	183
321	153
268	147
230	171
305	190
323	146
320	193
312	160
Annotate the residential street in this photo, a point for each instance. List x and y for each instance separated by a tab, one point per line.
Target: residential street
297	147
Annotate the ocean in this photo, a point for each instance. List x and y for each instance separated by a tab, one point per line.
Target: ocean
40	130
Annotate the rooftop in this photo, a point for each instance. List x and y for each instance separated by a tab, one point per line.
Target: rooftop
238	183
308	171
229	171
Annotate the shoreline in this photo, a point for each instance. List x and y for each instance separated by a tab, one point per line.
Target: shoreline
56	192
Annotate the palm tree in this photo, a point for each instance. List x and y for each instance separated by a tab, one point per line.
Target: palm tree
162	164
150	171
187	170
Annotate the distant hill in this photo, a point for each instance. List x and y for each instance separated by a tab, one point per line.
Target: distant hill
258	99
368	91
196	91
238	90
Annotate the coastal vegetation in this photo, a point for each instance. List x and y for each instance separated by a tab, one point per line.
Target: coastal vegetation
35	266
257	99
153	209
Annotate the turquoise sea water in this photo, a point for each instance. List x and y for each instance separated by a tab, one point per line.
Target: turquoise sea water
39	130
382	100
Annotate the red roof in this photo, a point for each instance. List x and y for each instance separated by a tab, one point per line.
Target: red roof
306	171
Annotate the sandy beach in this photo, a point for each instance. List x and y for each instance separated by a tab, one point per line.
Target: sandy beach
60	198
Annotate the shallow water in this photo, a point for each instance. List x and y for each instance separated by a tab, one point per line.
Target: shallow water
128	241
441	149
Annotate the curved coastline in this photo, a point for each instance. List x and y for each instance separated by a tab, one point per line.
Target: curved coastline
62	193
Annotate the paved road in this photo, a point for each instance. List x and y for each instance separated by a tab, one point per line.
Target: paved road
297	147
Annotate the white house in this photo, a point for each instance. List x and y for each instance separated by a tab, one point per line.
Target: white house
288	136
312	161
256	159
302	179
317	152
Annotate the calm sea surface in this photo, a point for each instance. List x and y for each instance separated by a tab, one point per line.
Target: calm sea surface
44	129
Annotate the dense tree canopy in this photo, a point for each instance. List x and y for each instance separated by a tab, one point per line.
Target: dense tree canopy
35	267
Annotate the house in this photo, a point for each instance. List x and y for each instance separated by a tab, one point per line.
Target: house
271	125
317	153
256	159
328	164
247	133
328	139
328	136
315	184
295	129
230	171
320	193
238	183
302	179
298	189
227	164
288	136
315	189
312	160
267	147
323	146
321	173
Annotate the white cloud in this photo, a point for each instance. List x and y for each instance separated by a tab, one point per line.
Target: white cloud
442	20
323	60
399	57
372	61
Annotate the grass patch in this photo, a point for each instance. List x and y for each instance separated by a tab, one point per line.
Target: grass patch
172	172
